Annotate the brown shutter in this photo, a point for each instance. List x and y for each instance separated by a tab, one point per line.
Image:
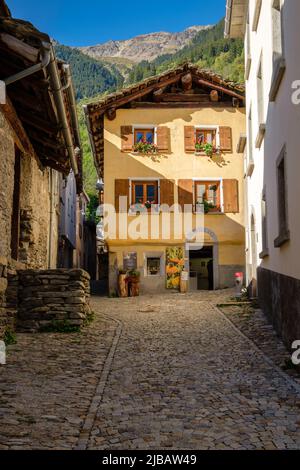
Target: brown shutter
231	196
189	138
167	192
163	139
127	138
121	189
226	139
185	192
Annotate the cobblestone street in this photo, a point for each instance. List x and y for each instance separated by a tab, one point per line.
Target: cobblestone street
165	372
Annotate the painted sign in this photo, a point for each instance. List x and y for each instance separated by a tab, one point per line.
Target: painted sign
174	267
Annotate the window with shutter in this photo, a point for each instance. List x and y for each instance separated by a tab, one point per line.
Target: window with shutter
231	195
185	192
121	189
127	138
189	138
226	139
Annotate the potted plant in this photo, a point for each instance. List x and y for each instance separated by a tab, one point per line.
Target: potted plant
206	148
133	282
145	148
122	284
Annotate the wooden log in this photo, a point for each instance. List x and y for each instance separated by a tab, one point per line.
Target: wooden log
201	82
157	94
214	96
111	114
187	82
20	48
185	98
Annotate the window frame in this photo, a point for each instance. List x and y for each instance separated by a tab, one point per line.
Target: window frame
146	180
219	182
143	128
282	200
204	128
264	225
278	57
158	255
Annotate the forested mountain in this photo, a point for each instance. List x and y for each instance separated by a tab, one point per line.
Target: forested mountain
91	77
209	49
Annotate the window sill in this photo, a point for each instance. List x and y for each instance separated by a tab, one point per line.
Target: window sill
264	254
260	136
283	238
279	67
248	68
250	168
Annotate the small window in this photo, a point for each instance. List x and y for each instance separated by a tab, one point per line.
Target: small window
264	252
153	266
284	234
145	193
207	193
260	93
145	136
206	136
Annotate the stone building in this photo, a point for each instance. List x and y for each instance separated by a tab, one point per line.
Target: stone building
172	141
39	146
270	29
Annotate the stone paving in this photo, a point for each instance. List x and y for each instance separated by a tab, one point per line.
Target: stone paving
154	372
183	378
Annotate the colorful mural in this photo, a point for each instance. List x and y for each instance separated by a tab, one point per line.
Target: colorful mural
174	266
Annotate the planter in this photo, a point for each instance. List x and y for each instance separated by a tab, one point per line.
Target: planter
133	286
122	286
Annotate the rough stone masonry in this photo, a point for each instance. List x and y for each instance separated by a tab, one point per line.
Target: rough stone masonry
48	296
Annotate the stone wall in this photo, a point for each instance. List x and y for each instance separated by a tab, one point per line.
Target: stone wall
50	296
279	297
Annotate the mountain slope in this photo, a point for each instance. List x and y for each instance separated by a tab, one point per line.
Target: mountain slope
208	49
144	47
91	77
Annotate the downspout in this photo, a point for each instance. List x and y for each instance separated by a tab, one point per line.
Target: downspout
57	90
228	18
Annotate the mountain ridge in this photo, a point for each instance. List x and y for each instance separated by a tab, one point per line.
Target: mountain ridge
144	46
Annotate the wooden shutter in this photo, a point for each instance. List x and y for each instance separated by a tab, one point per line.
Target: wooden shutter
189	138
185	192
127	138
231	196
167	192
163	139
226	139
121	189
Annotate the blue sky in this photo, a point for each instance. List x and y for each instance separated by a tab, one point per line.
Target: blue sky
89	22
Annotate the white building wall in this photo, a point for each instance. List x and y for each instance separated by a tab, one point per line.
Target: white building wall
282	118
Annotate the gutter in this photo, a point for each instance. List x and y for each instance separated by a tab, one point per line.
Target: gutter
57	90
228	18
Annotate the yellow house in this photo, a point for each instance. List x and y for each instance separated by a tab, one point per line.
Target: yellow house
173	141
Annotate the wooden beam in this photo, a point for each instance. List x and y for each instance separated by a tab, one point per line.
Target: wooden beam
182	97
220	88
20	136
158	93
20	48
38	122
101	109
196	105
187	82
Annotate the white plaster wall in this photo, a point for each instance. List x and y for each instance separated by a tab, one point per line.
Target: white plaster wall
283	126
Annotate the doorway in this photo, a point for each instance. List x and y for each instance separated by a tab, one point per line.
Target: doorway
201	269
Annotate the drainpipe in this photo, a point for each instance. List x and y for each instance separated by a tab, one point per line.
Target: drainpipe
57	91
228	18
